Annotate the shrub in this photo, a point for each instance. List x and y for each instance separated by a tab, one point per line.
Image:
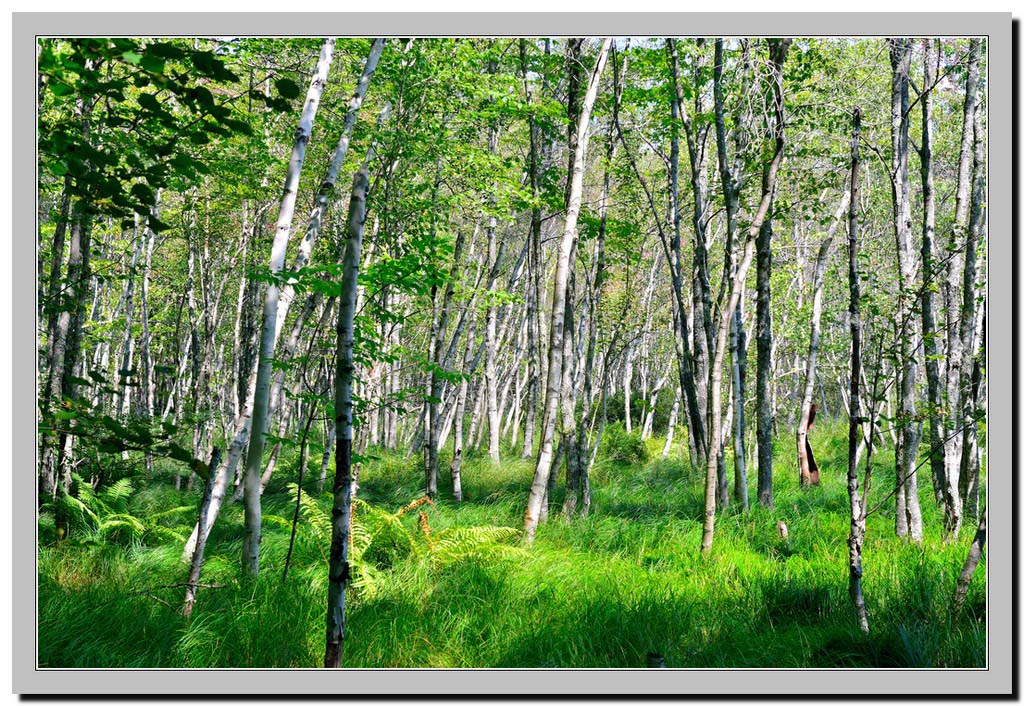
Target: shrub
623	447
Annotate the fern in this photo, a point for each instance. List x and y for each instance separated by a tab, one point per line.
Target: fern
317	521
125	525
379	540
98	516
115	497
462	543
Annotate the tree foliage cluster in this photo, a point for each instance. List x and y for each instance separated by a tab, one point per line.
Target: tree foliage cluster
566	240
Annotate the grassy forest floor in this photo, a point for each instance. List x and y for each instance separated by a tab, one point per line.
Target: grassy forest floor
600	592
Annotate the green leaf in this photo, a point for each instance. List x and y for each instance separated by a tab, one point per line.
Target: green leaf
156	225
165	51
60	89
150	103
287	88
143	193
153	64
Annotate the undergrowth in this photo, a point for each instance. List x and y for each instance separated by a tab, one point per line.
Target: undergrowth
449	584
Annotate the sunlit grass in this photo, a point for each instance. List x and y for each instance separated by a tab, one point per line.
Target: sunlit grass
597	592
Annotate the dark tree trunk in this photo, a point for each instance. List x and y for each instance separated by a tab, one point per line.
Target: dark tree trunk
341	512
857	510
963	582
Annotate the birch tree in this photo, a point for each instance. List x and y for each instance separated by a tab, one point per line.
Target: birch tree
804	454
777	54
858	513
908	510
339	571
564	262
268	339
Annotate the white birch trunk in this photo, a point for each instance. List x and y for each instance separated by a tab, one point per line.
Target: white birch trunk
565	248
268	337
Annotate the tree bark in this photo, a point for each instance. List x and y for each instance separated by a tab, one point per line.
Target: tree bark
777	51
460	414
731	184
954	276
491	330
908	511
805	456
268	339
434	395
558	298
535	267
855	542
970	376
936	425
197	557
963	582
341	512
764	413
695	402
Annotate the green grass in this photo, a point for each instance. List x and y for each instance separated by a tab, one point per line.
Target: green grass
600	592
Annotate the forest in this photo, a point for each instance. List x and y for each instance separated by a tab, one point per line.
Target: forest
502	352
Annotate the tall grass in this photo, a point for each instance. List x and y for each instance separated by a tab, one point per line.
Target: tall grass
597	592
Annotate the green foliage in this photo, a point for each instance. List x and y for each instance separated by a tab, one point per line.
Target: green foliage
622	447
599	592
107	437
381	540
94	516
136	105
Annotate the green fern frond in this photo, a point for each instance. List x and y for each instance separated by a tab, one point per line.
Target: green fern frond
277	521
316	520
184	509
117	494
165	534
113	524
488	552
456	544
79	509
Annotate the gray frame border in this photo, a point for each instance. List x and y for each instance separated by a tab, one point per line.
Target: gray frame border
996	679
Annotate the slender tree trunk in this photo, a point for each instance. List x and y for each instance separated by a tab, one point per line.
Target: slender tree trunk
570	428
490	340
268	339
777	51
908	521
809	474
695	403
936	426
338	570
673	419
63	348
857	510
764	413
49	299
460	414
970	376
558	298
64	334
197	557
954	279
731	184
963	582
434	397
326	459
279	396
535	268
